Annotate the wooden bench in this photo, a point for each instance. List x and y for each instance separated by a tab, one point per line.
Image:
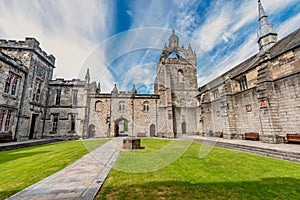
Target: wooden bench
292	138
251	135
219	134
141	135
6	138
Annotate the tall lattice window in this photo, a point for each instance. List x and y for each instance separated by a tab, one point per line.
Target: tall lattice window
14	86
8	120
74	98
37	90
146	106
122	106
72	122
216	94
57	98
8	82
243	83
55	123
5	120
2	115
11	83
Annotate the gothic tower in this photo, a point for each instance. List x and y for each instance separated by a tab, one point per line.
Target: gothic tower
267	36
176	83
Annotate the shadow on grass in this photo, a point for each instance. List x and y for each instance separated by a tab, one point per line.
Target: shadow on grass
268	188
7	193
11	156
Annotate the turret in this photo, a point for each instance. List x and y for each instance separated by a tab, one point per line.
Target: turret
115	91
267	36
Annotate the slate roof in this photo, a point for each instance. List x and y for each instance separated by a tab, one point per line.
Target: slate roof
289	42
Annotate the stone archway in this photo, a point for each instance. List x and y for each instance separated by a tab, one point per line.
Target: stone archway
121	127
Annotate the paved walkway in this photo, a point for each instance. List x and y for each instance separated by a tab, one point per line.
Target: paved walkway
292	148
81	180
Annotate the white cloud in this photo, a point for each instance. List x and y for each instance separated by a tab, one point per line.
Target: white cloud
68	30
225	23
289	26
222	35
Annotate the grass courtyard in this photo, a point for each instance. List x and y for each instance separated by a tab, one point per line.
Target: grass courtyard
222	174
23	167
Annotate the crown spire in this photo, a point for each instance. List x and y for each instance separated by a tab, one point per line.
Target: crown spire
267	36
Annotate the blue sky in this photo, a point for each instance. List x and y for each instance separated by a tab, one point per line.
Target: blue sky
121	40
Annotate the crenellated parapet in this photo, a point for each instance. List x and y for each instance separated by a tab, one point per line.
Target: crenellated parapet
63	82
28	44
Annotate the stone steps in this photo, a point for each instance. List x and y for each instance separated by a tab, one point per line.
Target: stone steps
18	145
274	153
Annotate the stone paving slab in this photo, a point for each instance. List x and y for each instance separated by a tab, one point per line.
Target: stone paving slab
80	180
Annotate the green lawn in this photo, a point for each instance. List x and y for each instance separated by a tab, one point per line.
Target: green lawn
22	167
222	174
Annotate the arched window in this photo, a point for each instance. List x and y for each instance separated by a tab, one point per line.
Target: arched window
146	106
98	106
180	76
122	106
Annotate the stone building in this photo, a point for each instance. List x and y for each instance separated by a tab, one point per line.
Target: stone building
262	94
67	110
176	84
12	86
121	112
25	82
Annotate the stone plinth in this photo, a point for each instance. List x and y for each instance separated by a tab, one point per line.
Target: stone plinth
131	143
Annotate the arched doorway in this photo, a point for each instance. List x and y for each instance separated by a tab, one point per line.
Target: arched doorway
91	131
183	127
121	127
152	130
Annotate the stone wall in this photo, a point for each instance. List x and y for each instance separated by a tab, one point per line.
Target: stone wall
288	92
66	108
9	100
40	69
105	113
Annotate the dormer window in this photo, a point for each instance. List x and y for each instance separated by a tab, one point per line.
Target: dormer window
216	94
243	83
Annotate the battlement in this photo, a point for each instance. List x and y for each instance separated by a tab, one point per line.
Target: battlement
63	82
29	43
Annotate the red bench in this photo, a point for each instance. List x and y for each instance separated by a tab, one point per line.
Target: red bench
141	135
292	138
6	138
219	134
251	135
